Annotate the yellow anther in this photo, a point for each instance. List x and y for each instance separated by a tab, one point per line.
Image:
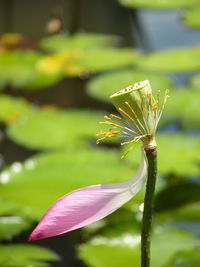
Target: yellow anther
126	114
131	110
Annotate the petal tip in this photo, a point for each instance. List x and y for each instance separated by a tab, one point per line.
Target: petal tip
35	235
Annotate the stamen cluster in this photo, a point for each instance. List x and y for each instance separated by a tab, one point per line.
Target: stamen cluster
140	115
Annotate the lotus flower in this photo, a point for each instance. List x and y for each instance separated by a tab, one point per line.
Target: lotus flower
84	206
87	205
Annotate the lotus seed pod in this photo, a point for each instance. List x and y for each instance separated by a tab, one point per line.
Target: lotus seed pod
130	102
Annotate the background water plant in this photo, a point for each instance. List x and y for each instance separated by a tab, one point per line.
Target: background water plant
49	121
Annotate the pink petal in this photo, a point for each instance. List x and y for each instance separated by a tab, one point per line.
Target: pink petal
87	205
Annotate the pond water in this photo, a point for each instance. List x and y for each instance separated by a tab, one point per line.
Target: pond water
154	30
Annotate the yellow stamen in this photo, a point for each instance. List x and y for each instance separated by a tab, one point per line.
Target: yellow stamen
115	116
111	123
128	142
126	114
131	110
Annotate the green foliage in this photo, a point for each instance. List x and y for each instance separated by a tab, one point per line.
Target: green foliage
11	226
173	60
85	41
167	4
181	193
178	154
25	255
192	17
188	258
12	108
53	128
19	70
195	81
107	84
41	180
123	248
106	59
183	106
188	212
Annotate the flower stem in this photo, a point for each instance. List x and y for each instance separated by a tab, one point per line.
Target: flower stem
151	155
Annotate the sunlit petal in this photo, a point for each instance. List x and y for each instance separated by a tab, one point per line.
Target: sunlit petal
87	205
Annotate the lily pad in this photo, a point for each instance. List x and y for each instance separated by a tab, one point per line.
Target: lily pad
178	154
186	213
123	249
107	84
195	81
19	70
107	59
85	41
39	181
173	60
52	128
188	258
78	62
192	17
11	226
25	255
183	106
167	4
181	193
12	108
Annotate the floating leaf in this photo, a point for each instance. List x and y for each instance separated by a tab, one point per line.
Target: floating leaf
106	59
11	226
52	128
61	62
12	108
192	17
177	195
183	106
167	4
76	62
8	207
25	255
173	60
107	84
188	258
188	212
19	70
178	154
41	180
85	41
123	249
195	81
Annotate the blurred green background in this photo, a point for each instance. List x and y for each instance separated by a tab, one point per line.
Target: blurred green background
59	63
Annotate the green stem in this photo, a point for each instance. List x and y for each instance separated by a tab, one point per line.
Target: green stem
148	207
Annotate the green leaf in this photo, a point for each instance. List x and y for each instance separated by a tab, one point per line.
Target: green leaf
85	41
183	106
188	258
173	60
12	108
195	81
188	212
11	226
167	4
53	128
19	70
41	180
192	17
178	154
124	249
177	195
25	255
107	59
103	86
